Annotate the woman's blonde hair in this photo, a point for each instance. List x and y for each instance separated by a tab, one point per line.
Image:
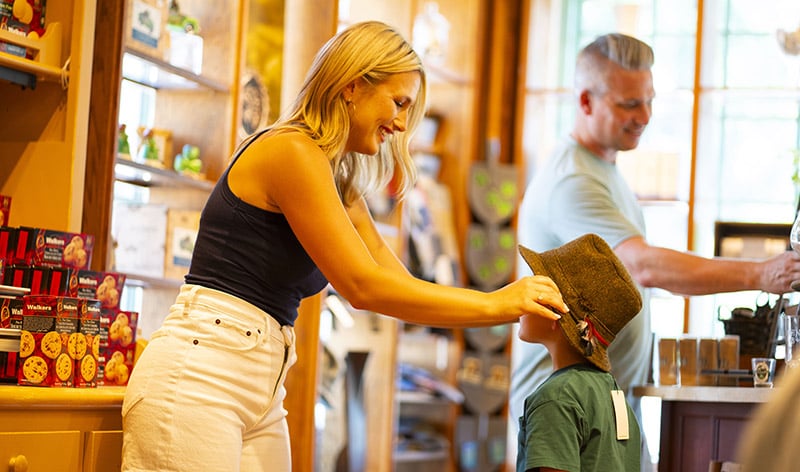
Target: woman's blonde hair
371	51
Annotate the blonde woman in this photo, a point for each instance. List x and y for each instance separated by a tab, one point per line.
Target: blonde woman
286	218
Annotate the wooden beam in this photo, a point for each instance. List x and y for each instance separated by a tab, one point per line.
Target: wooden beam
101	147
301	43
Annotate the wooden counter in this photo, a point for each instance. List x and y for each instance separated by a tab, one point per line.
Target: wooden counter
705	394
65	429
702	424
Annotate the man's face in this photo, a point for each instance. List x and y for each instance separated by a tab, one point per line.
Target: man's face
618	117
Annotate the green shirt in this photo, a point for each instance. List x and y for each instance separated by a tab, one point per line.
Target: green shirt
569	424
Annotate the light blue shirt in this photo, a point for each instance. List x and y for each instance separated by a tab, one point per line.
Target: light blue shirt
576	193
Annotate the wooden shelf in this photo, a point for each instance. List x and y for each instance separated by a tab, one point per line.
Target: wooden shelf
160	74
32	69
45	65
144	175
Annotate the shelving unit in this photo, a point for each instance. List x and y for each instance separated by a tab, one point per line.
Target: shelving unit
427	418
160	74
178	93
44	144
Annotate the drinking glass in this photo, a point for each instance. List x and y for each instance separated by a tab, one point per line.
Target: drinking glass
794	234
794	241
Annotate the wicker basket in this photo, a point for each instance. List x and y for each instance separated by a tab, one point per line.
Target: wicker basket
756	334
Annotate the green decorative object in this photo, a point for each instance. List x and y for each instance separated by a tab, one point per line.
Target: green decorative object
492	191
123	147
149	150
188	161
490	254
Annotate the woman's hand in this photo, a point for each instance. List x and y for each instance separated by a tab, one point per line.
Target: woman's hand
532	295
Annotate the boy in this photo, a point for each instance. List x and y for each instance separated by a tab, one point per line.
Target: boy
578	420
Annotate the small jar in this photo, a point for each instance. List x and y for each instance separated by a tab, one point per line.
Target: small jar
9	353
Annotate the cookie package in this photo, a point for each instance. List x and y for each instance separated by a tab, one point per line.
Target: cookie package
118	346
59	341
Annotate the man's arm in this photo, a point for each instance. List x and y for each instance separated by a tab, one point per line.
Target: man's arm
688	274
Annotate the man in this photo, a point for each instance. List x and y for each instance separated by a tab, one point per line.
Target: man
580	190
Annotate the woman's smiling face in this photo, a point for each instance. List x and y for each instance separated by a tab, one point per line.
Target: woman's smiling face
378	111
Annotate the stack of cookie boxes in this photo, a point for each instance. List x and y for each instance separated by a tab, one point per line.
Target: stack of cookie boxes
60	332
42	261
67	320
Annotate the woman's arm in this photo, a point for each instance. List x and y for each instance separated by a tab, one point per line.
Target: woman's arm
364	224
290	174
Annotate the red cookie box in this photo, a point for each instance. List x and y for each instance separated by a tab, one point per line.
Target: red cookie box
59	249
85	347
118	354
8	243
34	23
41	280
37	246
103	286
10	318
11	312
49	330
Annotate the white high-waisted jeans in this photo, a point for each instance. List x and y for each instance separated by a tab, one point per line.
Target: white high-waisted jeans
207	392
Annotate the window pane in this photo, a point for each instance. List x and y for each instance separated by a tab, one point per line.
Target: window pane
674	62
756	61
762	15
744	164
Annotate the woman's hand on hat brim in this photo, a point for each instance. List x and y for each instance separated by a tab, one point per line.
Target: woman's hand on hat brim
538	295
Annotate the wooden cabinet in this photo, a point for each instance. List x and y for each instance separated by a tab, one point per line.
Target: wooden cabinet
43	138
64	429
700	425
192	105
35	450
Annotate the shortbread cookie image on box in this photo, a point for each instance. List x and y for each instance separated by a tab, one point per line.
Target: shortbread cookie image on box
63	367
88	368
26	343
76	345
34	369
51	344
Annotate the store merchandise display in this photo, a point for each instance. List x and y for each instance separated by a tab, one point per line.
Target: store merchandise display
61	322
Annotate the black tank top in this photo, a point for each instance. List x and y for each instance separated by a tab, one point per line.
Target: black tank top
252	254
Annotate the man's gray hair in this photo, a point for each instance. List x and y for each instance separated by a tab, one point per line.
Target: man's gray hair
595	60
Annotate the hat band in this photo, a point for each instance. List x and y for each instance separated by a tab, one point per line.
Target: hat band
595	333
589	336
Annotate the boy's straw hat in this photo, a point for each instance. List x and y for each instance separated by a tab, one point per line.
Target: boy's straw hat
601	296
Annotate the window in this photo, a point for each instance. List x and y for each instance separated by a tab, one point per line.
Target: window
748	120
